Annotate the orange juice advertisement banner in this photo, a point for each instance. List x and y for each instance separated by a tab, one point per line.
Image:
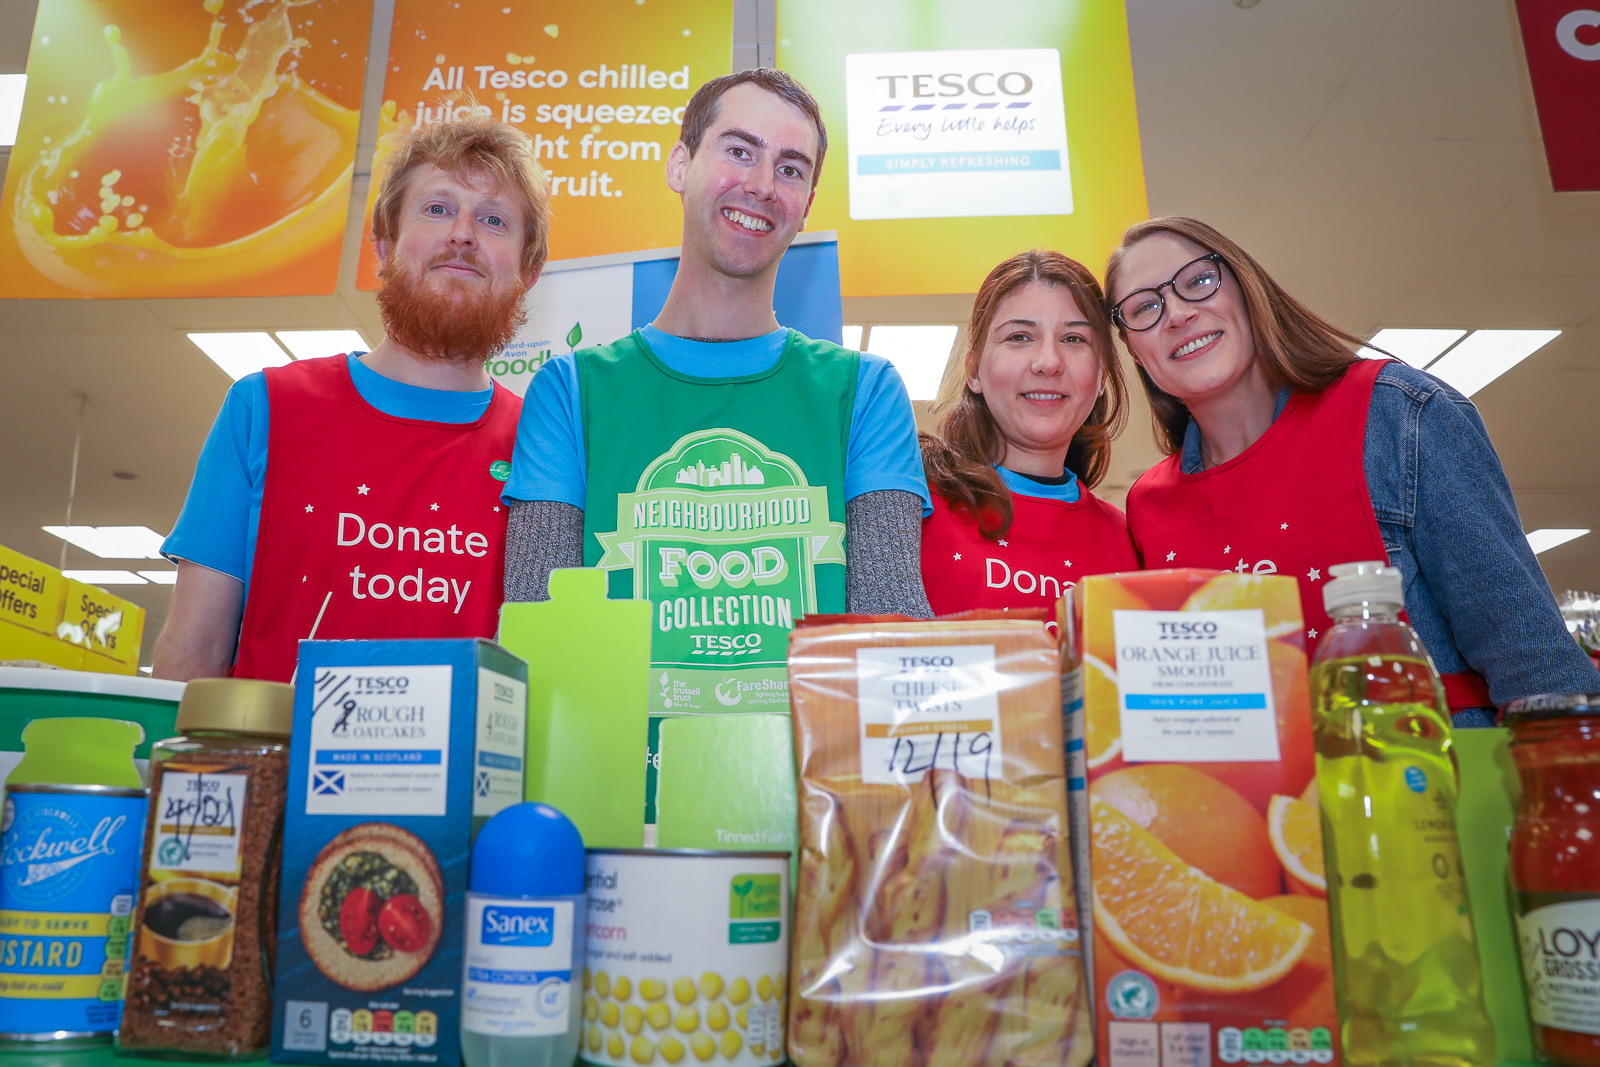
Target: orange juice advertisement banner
184	148
964	131
600	85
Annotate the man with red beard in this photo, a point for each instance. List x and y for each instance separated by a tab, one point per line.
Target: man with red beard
358	496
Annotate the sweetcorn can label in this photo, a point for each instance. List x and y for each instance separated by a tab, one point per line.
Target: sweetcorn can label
687	958
67	886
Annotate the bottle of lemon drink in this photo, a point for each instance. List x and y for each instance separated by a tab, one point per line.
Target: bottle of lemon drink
1409	984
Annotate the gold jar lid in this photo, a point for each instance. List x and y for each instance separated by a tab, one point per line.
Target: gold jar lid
246	705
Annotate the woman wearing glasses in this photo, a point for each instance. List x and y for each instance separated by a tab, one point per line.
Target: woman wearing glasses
1026	418
1287	453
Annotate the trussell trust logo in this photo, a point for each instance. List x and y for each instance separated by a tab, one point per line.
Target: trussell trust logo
956	134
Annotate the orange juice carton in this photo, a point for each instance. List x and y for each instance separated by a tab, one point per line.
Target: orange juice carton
1211	933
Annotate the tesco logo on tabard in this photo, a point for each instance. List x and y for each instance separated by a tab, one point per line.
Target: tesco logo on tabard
522	927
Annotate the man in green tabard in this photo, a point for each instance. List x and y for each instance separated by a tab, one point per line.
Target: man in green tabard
706	461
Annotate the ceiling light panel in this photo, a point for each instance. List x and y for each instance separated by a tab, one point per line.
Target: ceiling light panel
241	353
852	336
1416	347
1486	355
105	577
1545	539
309	344
12	87
111	542
919	353
160	577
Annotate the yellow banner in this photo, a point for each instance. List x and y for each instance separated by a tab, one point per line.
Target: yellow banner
55	923
164	151
964	132
600	88
51	987
102	623
49	618
31	593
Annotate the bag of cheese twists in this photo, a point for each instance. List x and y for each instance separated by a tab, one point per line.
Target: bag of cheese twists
935	918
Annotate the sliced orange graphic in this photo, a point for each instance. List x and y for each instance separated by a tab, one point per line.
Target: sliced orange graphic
1310	794
1296	831
1175	922
1102	720
1278	599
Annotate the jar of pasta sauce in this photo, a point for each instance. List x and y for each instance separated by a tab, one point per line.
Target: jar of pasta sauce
1555	871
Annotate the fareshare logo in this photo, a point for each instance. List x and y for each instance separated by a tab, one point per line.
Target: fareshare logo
957	134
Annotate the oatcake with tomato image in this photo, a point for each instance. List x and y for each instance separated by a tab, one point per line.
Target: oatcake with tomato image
372	907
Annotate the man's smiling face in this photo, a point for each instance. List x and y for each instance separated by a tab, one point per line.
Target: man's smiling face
747	188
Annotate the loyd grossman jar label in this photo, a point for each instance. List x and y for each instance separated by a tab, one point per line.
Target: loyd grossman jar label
1560	941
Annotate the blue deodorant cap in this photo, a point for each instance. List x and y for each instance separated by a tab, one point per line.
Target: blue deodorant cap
528	850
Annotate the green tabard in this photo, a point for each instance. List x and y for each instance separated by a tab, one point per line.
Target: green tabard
721	501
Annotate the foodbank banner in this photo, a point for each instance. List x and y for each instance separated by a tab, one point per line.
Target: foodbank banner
600	88
970	127
582	303
184	149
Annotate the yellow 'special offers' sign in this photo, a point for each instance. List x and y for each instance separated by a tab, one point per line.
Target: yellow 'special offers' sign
174	148
965	131
600	87
49	618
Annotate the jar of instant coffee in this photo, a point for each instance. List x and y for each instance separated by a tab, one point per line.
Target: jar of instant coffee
204	934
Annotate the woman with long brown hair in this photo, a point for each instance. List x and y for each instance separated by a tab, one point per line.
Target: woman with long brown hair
1288	453
1026	417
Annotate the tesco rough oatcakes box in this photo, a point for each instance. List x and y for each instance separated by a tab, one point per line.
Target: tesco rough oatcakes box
400	751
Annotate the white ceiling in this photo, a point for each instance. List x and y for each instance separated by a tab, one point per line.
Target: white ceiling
1380	157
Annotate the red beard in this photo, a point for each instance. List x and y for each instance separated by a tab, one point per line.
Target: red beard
457	322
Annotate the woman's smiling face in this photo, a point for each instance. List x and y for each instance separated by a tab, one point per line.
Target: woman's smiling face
1196	351
1039	374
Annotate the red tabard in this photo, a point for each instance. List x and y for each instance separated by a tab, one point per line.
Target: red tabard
1051	544
372	526
1295	502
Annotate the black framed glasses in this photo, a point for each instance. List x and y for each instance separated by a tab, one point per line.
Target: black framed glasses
1195	281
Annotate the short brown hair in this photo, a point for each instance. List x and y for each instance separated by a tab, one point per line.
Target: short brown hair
1298	348
464	147
960	459
702	109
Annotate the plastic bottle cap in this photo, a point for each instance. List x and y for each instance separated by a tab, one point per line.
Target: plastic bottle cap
529	850
1368	582
79	751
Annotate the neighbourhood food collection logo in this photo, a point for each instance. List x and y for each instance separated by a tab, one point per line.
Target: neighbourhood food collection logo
957	134
722	536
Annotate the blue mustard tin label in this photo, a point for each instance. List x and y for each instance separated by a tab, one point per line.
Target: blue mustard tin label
69	870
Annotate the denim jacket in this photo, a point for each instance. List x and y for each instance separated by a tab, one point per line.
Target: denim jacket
1475	593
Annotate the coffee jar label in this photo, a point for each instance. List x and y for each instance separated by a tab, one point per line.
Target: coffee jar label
1560	946
199	822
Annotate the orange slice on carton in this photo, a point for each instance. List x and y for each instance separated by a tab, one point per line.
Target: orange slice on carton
1295	828
1172	920
1102	720
1278	599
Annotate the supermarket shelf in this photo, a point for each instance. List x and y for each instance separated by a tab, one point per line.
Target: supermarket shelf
105	1057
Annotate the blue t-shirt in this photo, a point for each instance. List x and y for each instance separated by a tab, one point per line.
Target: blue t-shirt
217	527
1023	485
550	465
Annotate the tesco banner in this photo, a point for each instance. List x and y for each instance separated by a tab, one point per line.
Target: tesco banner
1562	39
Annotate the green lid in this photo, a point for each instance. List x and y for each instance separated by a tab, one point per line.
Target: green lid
79	752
